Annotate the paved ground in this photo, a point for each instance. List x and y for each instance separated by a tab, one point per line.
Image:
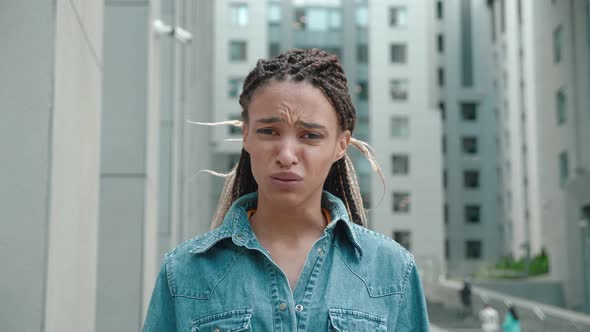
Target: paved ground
449	320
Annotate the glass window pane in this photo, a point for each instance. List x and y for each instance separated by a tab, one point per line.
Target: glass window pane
237	50
398	53
274	13
400	164
239	14
398	17
563	167
399	89
362	53
403	238
362	90
235	87
316	19
362	16
560	101
401	202
472	213
473	249
469	145
400	127
469	111
557	44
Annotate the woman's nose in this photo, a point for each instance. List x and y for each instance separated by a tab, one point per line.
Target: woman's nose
287	154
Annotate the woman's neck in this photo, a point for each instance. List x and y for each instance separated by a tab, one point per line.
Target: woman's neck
273	222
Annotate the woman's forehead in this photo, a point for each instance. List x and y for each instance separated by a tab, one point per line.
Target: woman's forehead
291	102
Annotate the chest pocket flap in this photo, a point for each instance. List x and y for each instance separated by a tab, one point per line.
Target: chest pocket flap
345	320
227	321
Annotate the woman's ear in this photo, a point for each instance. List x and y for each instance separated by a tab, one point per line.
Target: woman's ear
343	141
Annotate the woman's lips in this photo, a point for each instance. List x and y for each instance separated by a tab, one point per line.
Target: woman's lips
286	180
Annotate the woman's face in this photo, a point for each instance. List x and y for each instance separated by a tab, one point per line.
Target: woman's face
293	138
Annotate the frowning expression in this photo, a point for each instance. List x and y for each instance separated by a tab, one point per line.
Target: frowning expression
293	138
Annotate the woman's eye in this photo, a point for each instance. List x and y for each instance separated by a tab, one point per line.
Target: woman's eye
312	136
266	131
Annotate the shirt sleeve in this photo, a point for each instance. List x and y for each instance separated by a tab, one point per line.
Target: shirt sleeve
412	314
161	315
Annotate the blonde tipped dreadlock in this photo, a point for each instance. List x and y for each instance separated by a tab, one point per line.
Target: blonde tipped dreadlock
323	71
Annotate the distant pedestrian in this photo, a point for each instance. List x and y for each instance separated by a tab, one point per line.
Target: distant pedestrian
511	321
489	318
465	295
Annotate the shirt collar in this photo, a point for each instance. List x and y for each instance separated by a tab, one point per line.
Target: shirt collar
237	226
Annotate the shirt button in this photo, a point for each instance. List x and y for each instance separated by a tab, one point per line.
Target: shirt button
299	307
283	306
321	252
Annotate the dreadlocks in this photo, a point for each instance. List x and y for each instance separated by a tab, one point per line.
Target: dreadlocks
324	72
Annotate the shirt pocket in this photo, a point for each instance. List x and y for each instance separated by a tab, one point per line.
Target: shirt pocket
227	321
346	320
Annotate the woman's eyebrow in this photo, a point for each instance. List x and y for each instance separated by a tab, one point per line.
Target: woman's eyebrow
304	124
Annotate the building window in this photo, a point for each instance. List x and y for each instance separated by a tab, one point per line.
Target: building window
233	130
446	213
560	105
362	91
441	107
473	249
439	10
398	17
447	251
362	17
398	53
401	202
466	59
441	76
563	167
403	238
469	111
274	14
400	127
239	14
444	144
469	145
237	50
399	89
445	176
471	179
274	49
440	43
502	16
362	53
557	44
400	164
472	213
235	87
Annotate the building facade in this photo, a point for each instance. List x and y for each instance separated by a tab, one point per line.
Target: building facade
473	223
541	55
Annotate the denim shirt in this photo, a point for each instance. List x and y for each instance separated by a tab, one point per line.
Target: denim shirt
353	280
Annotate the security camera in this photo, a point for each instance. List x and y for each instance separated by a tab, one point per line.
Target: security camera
182	35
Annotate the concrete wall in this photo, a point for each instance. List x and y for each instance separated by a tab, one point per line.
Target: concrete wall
128	179
26	101
50	96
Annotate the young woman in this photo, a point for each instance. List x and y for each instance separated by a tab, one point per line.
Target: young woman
289	250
